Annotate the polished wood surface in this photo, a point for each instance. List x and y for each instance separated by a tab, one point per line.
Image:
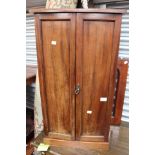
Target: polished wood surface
93	65
58	66
119	144
77	49
122	69
114	57
99	52
41	10
85	145
30	74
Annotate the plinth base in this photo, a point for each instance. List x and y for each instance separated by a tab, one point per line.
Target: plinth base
101	146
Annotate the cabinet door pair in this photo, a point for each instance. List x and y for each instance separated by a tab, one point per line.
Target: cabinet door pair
77	54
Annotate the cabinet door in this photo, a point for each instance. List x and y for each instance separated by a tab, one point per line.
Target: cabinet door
97	43
56	55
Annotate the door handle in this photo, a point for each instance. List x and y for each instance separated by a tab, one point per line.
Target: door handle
77	89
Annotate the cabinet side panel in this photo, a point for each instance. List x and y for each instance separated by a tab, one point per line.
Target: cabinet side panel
41	71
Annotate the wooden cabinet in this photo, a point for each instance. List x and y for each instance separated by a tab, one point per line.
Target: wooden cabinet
77	54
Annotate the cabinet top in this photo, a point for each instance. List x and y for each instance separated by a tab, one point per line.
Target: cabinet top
96	10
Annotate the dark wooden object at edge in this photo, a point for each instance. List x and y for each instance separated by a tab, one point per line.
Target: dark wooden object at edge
122	69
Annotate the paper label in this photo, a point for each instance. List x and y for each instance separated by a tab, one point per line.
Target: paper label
89	112
42	147
53	42
103	99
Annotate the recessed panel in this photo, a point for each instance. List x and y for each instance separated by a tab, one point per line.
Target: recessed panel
56	52
96	63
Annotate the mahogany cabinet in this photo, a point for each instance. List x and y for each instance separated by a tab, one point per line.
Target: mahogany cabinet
77	51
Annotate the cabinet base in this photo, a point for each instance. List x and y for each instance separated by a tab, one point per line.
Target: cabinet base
102	146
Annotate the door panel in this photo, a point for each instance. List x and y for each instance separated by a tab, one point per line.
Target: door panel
93	65
97	38
58	47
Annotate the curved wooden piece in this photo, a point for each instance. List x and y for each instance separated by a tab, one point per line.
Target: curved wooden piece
122	69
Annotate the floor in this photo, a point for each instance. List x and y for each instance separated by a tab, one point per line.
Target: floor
119	144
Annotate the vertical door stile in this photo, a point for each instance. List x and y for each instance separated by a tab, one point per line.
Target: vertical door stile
78	73
72	72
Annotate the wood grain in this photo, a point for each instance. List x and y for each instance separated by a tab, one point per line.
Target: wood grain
77	144
114	57
122	69
119	145
84	52
41	71
58	61
57	74
94	61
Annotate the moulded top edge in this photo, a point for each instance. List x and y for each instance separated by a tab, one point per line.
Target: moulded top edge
96	10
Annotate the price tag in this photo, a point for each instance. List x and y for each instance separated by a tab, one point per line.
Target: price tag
43	147
103	99
53	42
89	112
